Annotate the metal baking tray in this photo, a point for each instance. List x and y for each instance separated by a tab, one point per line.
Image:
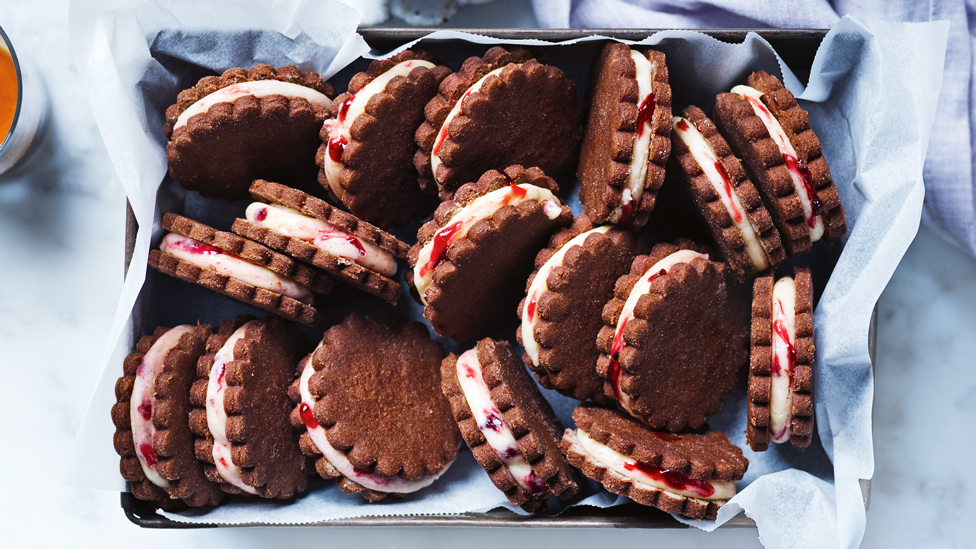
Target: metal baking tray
797	47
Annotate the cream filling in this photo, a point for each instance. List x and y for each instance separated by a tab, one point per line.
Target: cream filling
143	400
370	481
322	235
221	262
752	95
480	208
258	88
634	188
641	287
540	286
629	468
780	389
435	157
341	126
705	156
217	416
491	424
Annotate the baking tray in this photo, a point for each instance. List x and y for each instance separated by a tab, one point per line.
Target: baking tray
797	47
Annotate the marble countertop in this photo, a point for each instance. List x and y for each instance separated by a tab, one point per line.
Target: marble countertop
61	237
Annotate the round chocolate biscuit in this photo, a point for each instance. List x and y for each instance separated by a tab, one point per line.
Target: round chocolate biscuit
527	114
615	120
252	252
172	446
378	181
761	361
729	238
377	385
568	314
682	461
516	406
751	141
220	152
264	446
477	283
351	273
688	338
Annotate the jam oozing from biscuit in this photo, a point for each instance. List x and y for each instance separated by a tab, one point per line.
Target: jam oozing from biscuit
799	172
365	476
323	235
641	287
257	88
143	400
213	259
633	190
492	425
540	286
435	250
704	154
783	359
671	478
337	147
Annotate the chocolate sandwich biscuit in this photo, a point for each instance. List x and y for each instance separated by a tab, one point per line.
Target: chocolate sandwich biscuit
369	403
500	109
311	230
562	311
675	336
627	143
692	473
262	122
470	261
718	186
368	146
241	408
772	135
781	362
239	268
151	419
508	424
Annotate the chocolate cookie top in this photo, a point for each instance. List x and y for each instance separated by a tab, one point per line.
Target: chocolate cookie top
764	366
365	238
670	352
735	214
615	185
509	426
367	162
241	408
219	151
377	389
749	137
694	473
165	404
562	311
526	113
210	243
470	260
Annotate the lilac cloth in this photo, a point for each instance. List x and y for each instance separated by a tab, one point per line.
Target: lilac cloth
950	192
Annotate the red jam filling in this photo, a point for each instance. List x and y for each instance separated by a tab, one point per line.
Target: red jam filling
337	146
145	410
673	479
530	309
667	437
305	411
148	454
644	113
613	371
442	241
682	125
261	214
537	489
727	187
196	247
514	190
492	421
344	108
441	137
800	168
784	335
627	211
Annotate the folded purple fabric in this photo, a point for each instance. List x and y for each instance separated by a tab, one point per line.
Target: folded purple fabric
950	190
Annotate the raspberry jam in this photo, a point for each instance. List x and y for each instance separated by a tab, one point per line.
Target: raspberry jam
145	410
536	488
627	211
779	328
337	147
344	108
148	454
645	111
672	479
514	191
727	187
261	214
442	241
305	411
613	370
800	168
530	308
492	421
199	248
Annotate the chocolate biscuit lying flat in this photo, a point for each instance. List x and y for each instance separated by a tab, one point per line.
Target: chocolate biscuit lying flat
626	143
263	122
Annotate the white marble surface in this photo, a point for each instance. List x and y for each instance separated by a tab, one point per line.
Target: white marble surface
61	237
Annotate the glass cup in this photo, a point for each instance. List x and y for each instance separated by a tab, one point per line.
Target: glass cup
23	107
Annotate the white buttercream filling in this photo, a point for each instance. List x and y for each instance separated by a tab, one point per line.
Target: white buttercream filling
704	155
323	235
540	286
480	208
634	188
780	389
143	400
257	88
217	416
341	126
628	468
752	95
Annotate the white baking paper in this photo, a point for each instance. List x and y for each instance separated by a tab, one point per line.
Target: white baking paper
871	97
